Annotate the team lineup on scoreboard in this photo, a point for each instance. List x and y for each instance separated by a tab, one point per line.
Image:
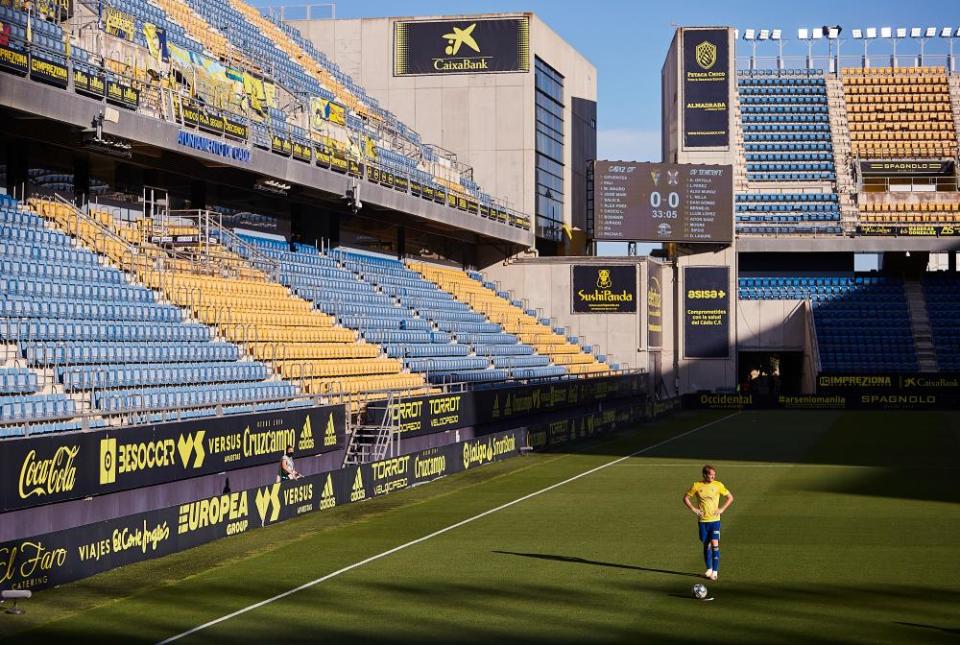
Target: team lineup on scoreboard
660	202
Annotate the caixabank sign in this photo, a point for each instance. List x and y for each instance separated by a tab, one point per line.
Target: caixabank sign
426	415
466	46
45	469
51	559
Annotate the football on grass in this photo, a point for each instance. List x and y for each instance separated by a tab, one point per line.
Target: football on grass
699	591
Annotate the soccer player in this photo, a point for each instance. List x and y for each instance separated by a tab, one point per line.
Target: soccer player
708	509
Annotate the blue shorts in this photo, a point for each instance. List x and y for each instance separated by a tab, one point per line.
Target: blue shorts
709	531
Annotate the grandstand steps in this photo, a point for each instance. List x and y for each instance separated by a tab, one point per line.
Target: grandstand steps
840	131
953	82
740	183
920	326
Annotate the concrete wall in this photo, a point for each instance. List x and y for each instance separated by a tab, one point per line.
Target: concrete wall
775	325
488	120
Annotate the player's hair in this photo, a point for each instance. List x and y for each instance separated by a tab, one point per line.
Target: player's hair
707	468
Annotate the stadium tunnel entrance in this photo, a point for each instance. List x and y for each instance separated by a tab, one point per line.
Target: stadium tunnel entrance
770	373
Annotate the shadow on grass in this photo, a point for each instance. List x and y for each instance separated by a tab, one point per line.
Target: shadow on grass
945	630
595	563
482	611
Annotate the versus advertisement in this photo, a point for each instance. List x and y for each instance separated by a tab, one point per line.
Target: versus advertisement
426	415
706	88
906	167
55	558
44	469
654	305
604	290
706	312
468	46
864	401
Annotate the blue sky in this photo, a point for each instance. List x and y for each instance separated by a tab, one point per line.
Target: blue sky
627	41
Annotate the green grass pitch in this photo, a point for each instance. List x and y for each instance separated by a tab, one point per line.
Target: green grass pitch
845	528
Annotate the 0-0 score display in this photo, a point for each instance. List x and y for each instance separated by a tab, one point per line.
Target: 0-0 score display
657	202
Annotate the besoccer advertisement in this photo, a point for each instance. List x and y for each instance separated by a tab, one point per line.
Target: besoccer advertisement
48	560
468	46
604	290
706	88
706	318
45	469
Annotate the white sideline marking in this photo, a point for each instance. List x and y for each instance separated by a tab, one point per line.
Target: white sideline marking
395	549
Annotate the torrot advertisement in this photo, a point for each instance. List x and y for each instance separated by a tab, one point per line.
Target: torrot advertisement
54	468
48	560
426	415
706	88
604	289
706	312
468	46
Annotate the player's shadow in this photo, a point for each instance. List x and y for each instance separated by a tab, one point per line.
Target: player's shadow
596	563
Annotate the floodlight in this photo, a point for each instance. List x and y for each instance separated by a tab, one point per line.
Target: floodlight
957	34
871	32
915	32
886	32
817	34
946	32
736	34
931	32
901	32
803	33
775	34
750	34
764	34
857	33
833	33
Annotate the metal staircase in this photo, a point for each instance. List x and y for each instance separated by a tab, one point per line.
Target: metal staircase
368	442
920	327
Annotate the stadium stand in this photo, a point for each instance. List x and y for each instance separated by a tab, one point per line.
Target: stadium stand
942	295
229	61
862	322
93	342
409	317
788	155
787	213
482	296
910	213
902	112
786	126
247	307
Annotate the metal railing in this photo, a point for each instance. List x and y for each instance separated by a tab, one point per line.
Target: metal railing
160	101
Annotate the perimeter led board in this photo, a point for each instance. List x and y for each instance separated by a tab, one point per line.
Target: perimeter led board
661	202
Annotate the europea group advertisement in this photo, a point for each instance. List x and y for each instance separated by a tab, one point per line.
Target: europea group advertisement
47	560
46	469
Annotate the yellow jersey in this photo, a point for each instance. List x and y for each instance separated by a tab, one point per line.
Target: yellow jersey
708	497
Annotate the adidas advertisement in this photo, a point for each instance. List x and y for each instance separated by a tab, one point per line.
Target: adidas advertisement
45	469
426	415
48	560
